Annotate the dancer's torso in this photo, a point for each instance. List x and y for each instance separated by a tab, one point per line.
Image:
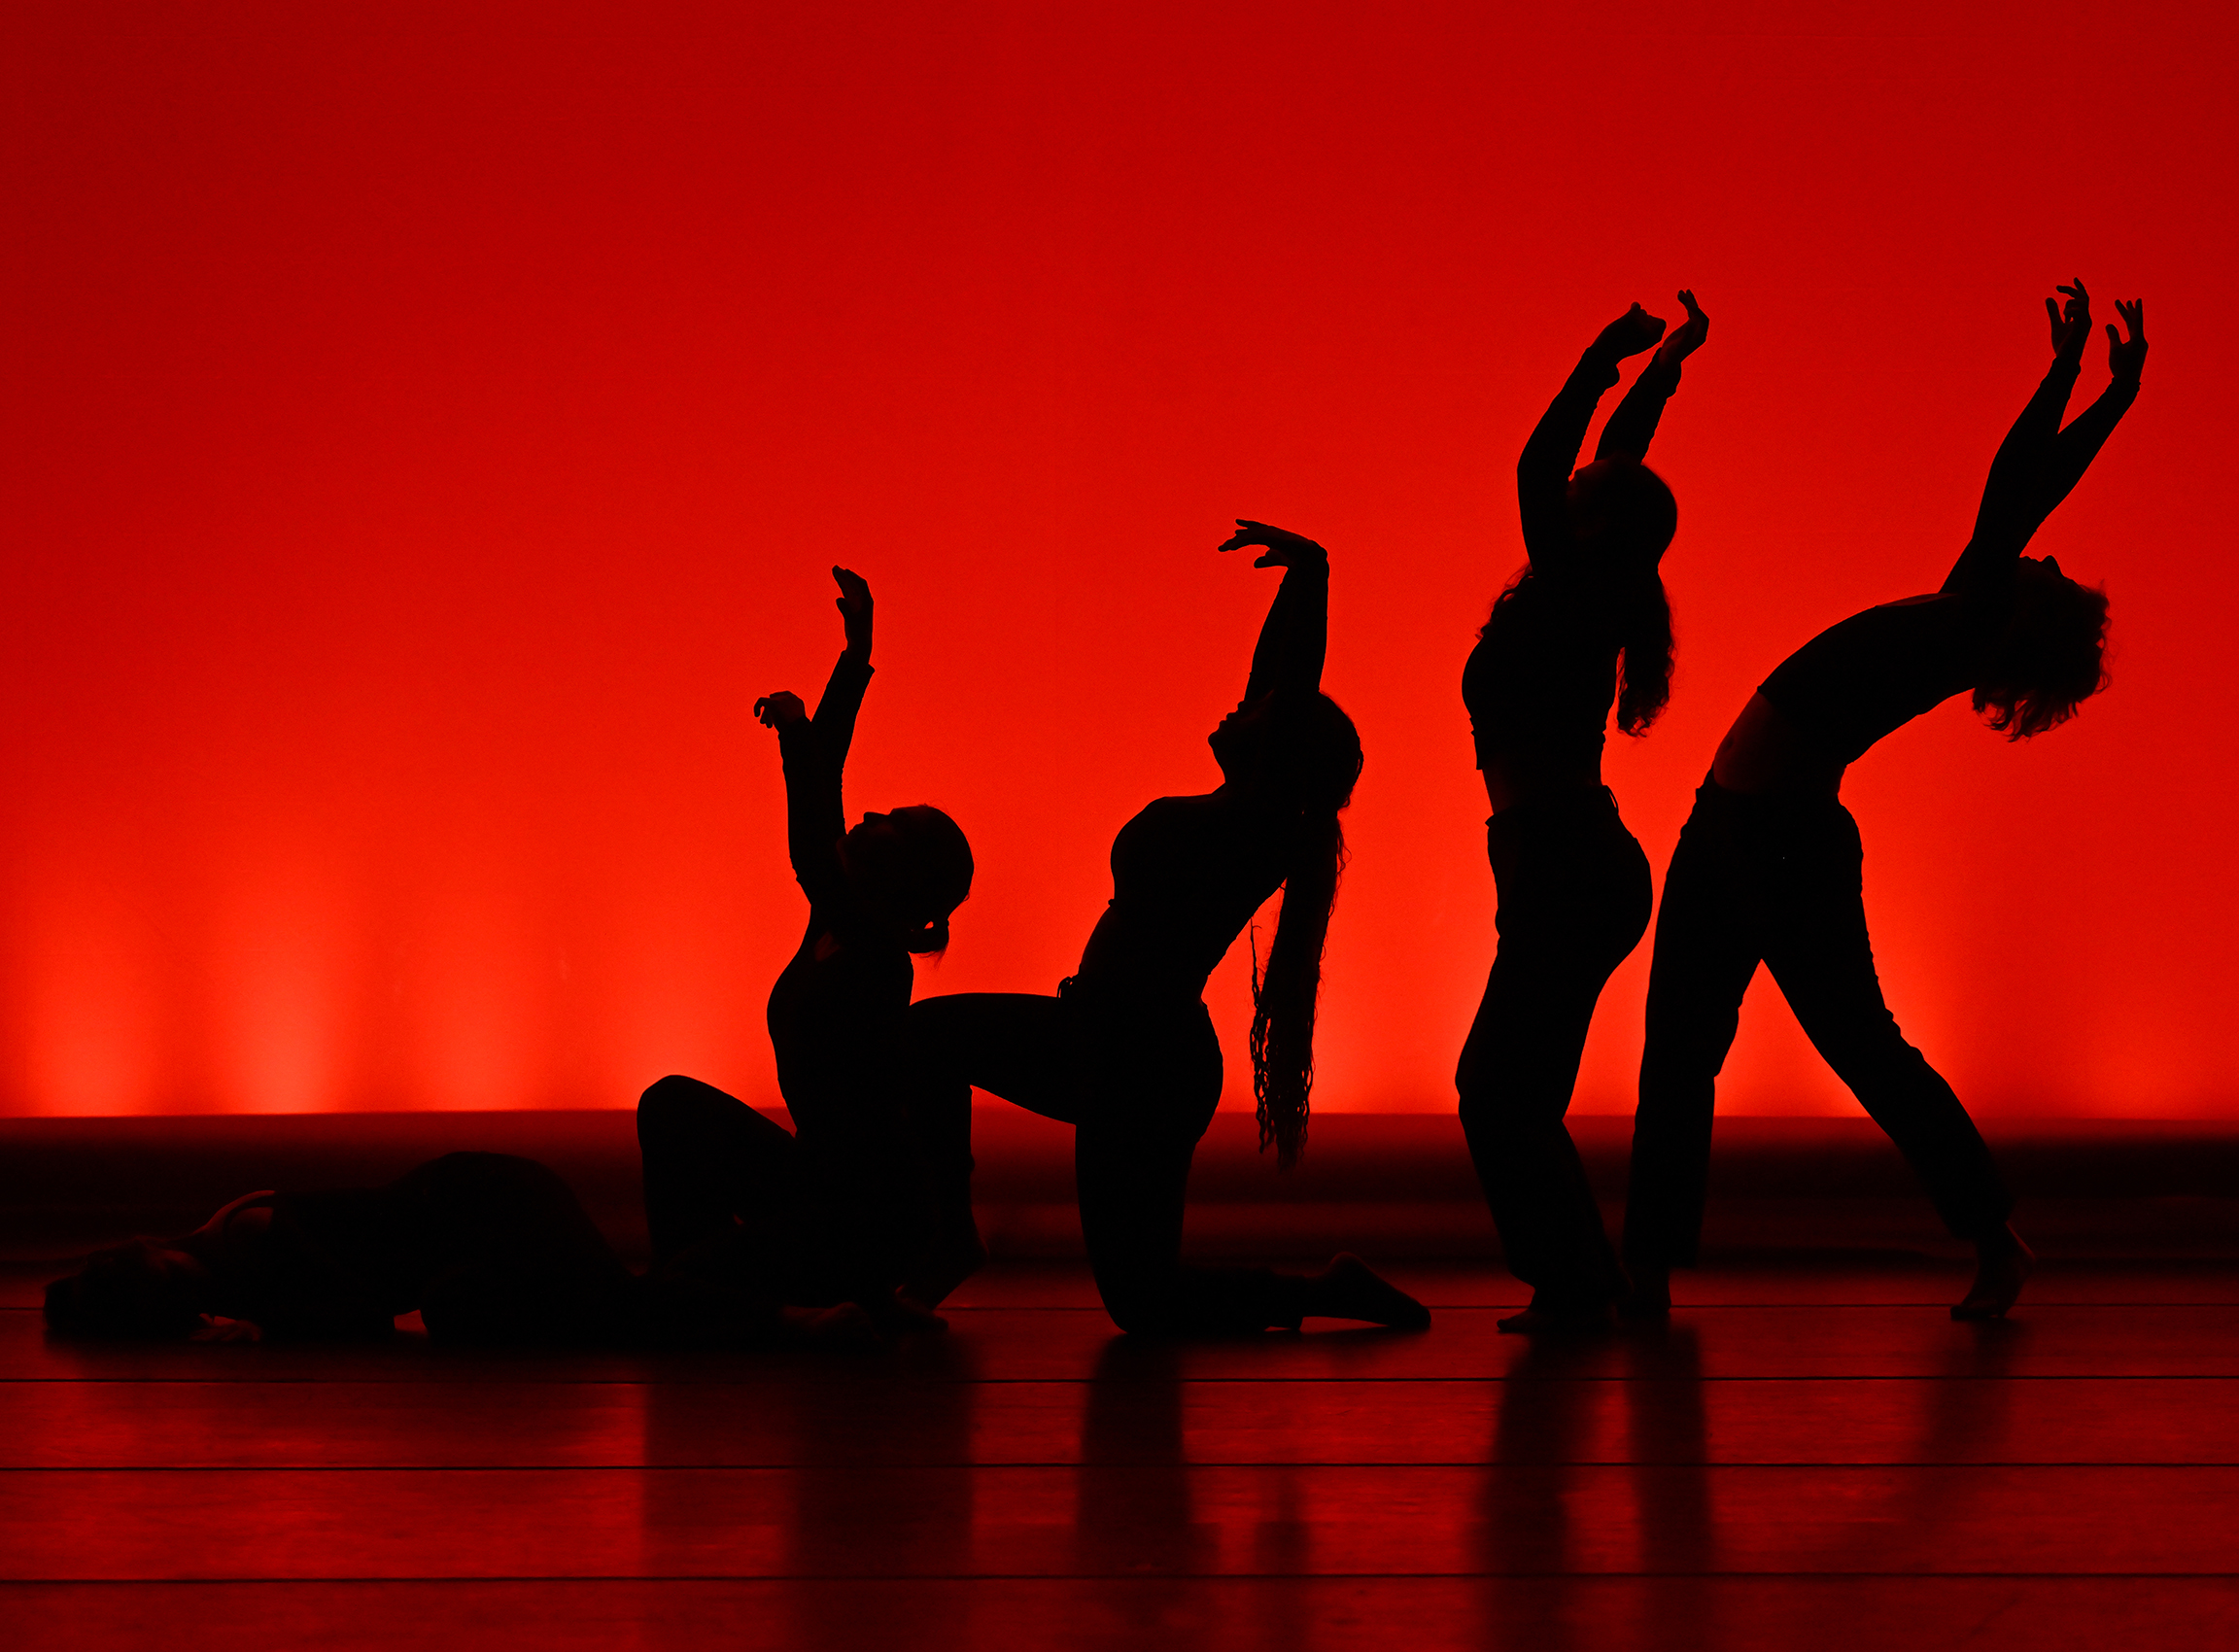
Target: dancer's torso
1187	873
1828	703
1538	687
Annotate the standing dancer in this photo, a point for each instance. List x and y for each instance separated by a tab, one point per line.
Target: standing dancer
1585	623
1126	1052
830	1215
1768	867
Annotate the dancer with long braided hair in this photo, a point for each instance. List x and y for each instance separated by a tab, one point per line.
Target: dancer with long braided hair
1126	1052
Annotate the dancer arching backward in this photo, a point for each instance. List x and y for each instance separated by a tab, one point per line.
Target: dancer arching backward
1126	1053
1584	624
836	1213
1768	867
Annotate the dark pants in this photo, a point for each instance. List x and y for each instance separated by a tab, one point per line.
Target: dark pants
1139	1083
1574	900
1775	879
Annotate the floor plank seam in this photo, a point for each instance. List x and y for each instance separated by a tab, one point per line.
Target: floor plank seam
1489	1379
1057	1465
483	1580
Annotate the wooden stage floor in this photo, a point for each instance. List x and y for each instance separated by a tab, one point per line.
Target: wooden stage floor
1805	1458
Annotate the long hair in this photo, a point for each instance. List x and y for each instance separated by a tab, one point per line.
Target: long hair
1631	518
2050	659
1312	762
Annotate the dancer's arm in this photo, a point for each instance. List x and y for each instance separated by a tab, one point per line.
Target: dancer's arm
843	693
815	750
1632	427
1543	469
2076	447
1295	636
2036	469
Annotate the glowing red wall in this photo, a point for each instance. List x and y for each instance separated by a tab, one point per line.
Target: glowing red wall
427	429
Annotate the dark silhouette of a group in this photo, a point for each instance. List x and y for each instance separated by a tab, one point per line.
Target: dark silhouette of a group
854	1226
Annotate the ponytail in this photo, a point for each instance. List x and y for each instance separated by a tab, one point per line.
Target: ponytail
1314	755
1285	995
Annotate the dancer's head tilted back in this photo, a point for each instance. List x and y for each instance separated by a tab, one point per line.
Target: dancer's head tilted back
1622	513
907	869
2049	656
913	866
1617	516
1292	751
1622	518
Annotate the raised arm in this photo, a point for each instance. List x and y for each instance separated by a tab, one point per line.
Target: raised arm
1295	635
2039	463
1543	469
2076	447
1632	427
815	749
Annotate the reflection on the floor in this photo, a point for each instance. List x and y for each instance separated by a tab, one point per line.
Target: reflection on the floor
1795	1458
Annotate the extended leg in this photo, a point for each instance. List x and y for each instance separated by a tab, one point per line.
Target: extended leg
1823	959
1707	949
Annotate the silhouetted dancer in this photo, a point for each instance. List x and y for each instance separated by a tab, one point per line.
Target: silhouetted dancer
1768	867
1126	1052
1584	624
835	1214
488	1249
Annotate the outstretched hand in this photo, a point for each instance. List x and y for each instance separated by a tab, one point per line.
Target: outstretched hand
855	606
2071	322
1284	548
1630	333
1691	332
779	710
2126	357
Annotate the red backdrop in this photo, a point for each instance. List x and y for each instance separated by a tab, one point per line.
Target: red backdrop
429	426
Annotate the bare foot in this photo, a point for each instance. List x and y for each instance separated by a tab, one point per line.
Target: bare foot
1586	1319
2003	1263
1349	1289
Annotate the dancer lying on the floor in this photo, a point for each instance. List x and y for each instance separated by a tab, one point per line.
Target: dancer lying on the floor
837	1213
1126	1053
488	1249
1768	867
1586	624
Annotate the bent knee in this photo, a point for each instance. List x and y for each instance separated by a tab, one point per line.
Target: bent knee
670	1101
